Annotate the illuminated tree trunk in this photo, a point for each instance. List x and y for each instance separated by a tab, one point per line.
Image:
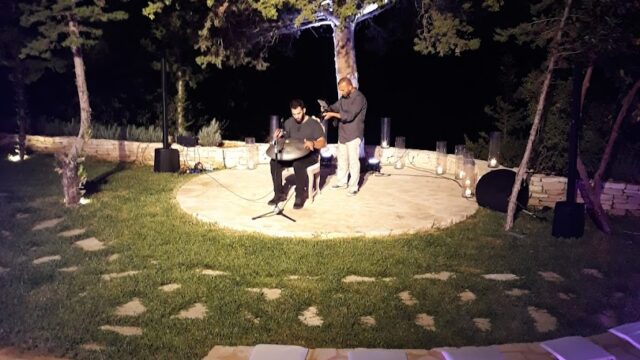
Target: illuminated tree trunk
181	100
21	109
511	210
69	164
345	52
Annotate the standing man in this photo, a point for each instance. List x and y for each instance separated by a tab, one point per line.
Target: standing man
299	126
350	110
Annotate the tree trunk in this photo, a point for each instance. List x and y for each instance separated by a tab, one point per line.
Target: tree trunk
21	109
511	210
181	100
69	164
345	53
604	162
593	203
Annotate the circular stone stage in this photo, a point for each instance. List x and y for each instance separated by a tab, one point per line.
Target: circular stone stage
394	202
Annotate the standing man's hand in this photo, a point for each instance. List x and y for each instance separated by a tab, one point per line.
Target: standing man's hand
330	114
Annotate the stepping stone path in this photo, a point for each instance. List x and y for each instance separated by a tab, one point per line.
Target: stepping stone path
113	257
298	277
47	224
90	244
93	347
543	321
310	317
356	278
483	324
250	317
467	296
196	311
593	272
551	276
388	279
501	277
516	292
407	299
132	308
443	275
367	321
564	296
69	269
123	330
72	232
426	322
269	294
170	287
46	259
212	272
108	277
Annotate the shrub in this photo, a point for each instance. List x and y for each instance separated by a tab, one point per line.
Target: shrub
211	135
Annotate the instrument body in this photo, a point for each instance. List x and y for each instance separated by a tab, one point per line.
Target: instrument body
288	149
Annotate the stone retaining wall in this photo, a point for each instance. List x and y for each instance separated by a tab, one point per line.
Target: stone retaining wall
617	198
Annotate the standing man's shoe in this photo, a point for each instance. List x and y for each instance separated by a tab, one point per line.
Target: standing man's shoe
339	186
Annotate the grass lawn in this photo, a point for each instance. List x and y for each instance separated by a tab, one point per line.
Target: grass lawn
133	211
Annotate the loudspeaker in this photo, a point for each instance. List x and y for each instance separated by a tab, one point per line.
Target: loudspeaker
166	160
494	188
568	220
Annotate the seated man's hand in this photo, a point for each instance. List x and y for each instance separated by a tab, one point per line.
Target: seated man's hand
308	144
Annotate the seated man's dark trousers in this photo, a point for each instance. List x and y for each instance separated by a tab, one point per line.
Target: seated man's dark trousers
300	171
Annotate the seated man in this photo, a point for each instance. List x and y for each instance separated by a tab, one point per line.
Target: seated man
299	126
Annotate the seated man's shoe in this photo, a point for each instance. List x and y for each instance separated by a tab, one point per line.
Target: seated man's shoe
299	203
276	199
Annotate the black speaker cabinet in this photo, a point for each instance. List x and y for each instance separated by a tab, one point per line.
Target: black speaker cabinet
494	188
568	220
166	160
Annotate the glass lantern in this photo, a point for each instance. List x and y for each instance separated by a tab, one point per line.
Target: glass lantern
494	149
385	132
399	153
326	156
252	152
469	180
274	123
459	154
441	157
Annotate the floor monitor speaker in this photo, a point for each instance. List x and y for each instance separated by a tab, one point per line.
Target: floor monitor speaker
494	188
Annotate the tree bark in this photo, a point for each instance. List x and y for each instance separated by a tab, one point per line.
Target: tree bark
181	100
21	109
345	53
69	167
511	210
593	203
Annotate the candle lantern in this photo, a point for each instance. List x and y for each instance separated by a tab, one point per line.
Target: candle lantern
385	132
399	153
459	154
469	180
441	157
494	149
274	123
251	152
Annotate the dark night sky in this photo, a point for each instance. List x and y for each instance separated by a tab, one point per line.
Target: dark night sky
428	97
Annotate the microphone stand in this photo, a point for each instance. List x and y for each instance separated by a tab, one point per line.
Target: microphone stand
277	210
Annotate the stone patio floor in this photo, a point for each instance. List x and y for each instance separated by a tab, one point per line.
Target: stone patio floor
389	203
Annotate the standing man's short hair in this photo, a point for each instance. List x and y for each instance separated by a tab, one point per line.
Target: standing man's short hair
296	103
345	80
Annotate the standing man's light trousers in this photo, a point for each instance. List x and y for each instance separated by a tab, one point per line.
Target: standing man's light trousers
349	164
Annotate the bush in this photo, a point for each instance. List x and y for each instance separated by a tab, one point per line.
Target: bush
211	135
